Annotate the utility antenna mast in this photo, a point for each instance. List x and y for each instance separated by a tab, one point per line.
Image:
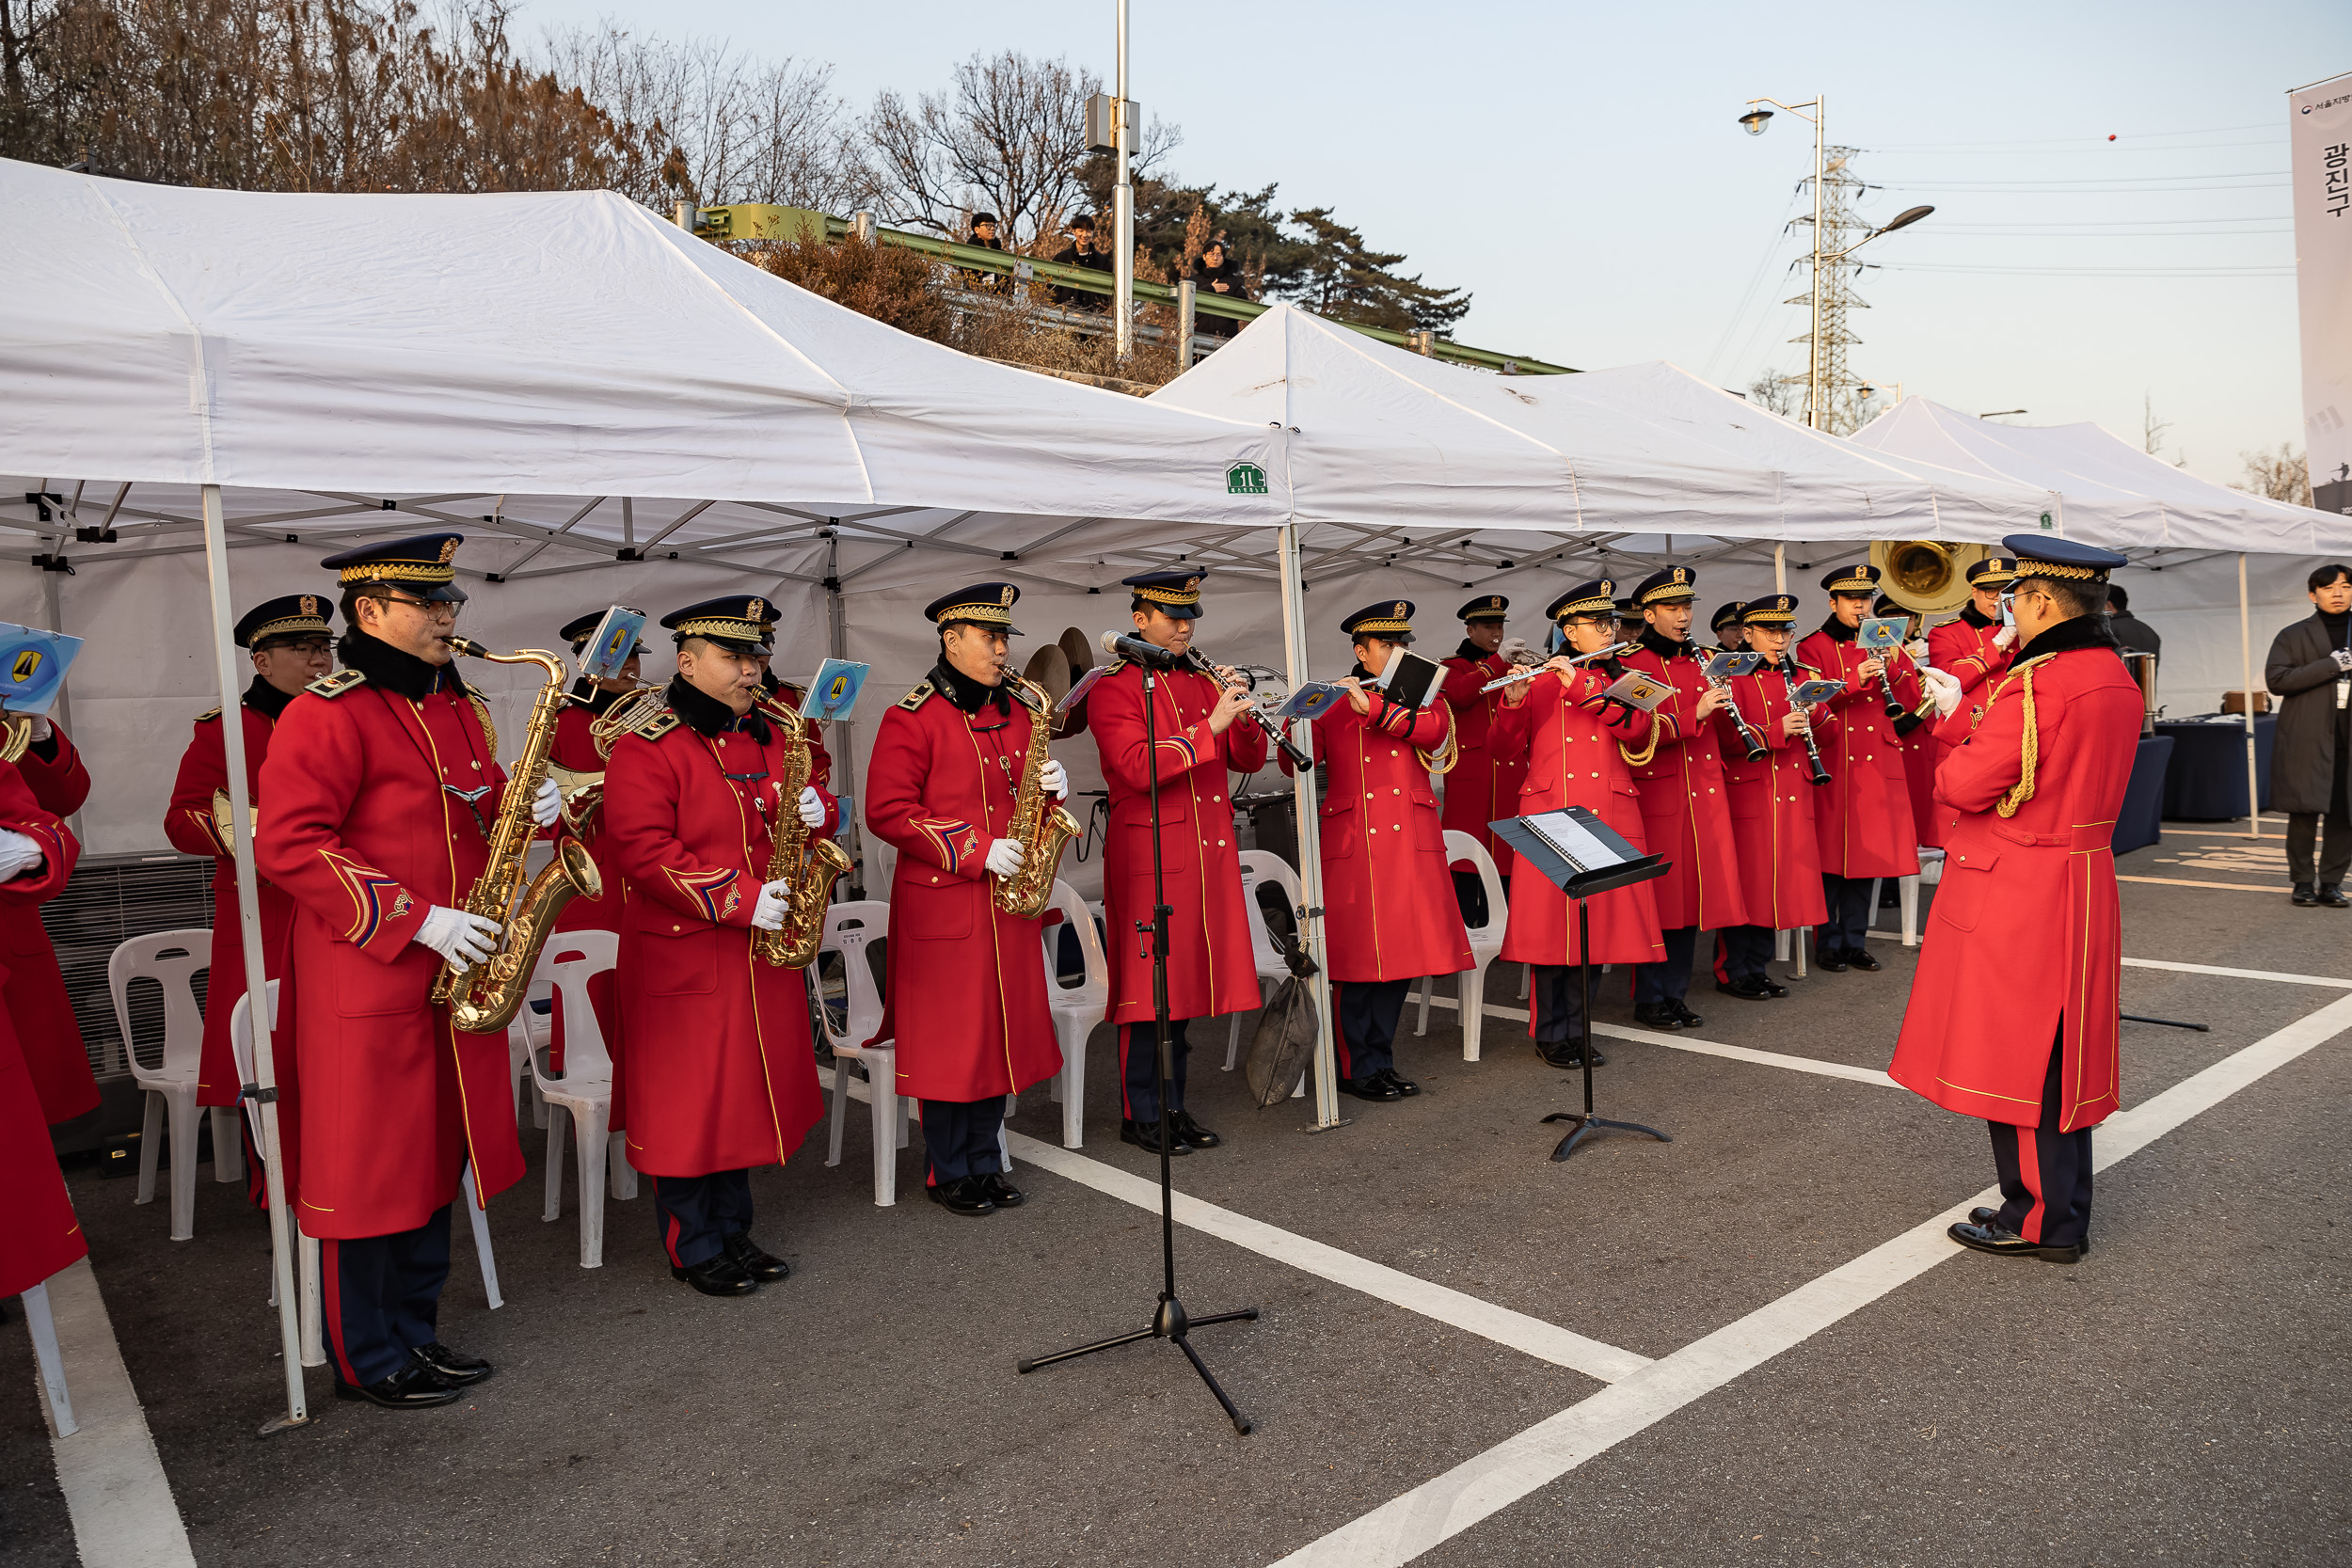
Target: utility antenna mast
1831	294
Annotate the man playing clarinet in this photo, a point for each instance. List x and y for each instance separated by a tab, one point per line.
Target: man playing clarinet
1480	790
1772	801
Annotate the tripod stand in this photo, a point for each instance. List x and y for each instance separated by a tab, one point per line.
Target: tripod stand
1586	1123
1170	1320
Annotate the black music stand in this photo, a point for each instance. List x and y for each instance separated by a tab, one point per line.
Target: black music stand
1602	863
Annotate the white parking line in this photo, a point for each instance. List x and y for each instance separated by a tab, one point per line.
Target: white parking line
2239	973
113	1484
1704	1047
1406	1526
1545	1342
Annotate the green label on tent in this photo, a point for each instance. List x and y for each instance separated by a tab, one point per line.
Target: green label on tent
1246	479
2045	519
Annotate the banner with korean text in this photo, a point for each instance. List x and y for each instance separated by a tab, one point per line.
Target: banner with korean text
2319	123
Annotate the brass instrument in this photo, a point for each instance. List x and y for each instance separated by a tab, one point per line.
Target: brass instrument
809	863
225	817
1041	825
1925	576
484	997
625	715
16	736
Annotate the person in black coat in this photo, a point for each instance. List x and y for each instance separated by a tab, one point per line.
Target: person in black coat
1217	274
2129	629
2310	670
1086	250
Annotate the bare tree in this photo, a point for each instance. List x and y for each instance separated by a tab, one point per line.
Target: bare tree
1783	395
2152	429
2280	475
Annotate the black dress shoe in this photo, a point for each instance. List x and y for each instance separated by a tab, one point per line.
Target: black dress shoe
1772	988
450	1368
415	1386
716	1275
1862	961
1001	1192
1369	1088
2007	1243
964	1196
2332	896
1833	962
2305	894
1191	1132
1568	1054
1655	1014
1982	1215
1746	990
1403	1086
1145	1135
1683	1015
766	1267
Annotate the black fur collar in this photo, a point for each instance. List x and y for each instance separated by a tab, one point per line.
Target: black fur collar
395	670
2080	631
707	715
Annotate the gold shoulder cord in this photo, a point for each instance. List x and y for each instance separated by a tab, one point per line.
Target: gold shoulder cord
1449	750
2029	747
1647	752
482	711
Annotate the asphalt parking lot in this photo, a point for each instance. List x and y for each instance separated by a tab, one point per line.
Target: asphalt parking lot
2180	1394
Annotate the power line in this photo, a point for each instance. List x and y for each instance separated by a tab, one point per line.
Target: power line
2095	272
2085	187
2047	141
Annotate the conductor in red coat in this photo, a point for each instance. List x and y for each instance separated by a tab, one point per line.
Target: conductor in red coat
289	639
1974	650
1480	790
32	987
2030	795
965	997
1686	813
721	1073
1580	748
1211	967
1772	800
575	751
1389	920
1863	816
382	785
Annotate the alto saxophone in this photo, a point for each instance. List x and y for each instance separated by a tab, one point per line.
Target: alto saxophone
809	863
484	997
1041	825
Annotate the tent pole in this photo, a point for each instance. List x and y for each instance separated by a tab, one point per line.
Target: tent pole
1780	567
845	740
256	966
1309	838
2246	685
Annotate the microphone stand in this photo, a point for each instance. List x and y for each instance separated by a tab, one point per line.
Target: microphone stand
1170	1320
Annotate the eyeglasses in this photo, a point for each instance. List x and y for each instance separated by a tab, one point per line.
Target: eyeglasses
435	610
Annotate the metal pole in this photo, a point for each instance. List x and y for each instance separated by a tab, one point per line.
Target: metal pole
1813	358
1309	838
1780	567
281	1239
2246	685
1123	206
52	600
1187	322
845	737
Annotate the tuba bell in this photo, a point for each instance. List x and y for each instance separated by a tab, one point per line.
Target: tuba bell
1925	576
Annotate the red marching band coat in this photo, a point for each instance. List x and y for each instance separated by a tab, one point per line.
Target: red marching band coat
39	1233
1964	651
386	1100
2025	937
1863	819
576	748
1576	757
1772	805
1212	966
34	990
1685	811
966	999
721	1072
1389	907
1481	787
190	824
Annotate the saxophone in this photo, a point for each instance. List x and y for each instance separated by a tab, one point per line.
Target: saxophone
484	997
812	866
1039	824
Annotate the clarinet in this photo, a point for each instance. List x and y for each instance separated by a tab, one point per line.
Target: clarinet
1274	731
1748	738
1895	709
1812	751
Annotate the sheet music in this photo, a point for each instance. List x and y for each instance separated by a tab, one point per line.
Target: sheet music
1575	845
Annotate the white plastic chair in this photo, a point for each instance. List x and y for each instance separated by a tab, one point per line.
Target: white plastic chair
171	959
1486	944
1263	866
1076	1009
537	1029
585	1093
849	928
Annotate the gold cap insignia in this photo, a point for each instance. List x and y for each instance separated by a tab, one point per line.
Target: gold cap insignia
1398	610
309	604
755	610
449	551
1006	598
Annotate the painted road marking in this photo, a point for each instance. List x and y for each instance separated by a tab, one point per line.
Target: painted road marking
113	1484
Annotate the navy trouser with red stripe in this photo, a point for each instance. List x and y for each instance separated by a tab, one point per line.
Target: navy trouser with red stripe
382	1295
1670	979
1369	1013
1742	952
1556	992
2045	1174
1139	1069
960	1138
697	1214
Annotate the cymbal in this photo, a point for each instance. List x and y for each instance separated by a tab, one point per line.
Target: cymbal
1078	649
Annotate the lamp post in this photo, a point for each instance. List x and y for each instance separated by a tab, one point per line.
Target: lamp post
1124	204
1753	122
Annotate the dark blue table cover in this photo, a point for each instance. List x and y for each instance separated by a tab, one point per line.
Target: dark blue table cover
2207	781
2141	822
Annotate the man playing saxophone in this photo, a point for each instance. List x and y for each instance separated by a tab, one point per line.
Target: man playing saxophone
382	785
959	770
721	1073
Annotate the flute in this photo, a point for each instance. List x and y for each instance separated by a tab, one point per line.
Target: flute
1812	751
1529	671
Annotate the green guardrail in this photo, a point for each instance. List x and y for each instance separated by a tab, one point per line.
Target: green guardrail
763	221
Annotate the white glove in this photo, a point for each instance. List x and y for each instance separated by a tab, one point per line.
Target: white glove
1917	647
2343	659
19	853
464	940
547	805
1005	857
2003	638
811	807
1943	688
775	900
1516	651
42	729
1056	778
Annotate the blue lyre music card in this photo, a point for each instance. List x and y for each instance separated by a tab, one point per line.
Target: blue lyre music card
1816	692
1881	632
833	691
1311	701
1739	662
603	657
33	663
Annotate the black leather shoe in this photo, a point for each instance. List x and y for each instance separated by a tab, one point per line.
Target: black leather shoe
765	1267
1683	1015
2332	896
2007	1243
1568	1054
1145	1135
1773	989
716	1275
450	1368
1191	1132
964	1196
1833	963
1001	1192
415	1386
1862	961
1369	1088
1655	1014
1745	990
2305	894
1403	1086
1982	1215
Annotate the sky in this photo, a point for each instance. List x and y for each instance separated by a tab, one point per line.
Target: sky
2111	229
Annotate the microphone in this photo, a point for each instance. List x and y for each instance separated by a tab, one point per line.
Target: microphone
1119	645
